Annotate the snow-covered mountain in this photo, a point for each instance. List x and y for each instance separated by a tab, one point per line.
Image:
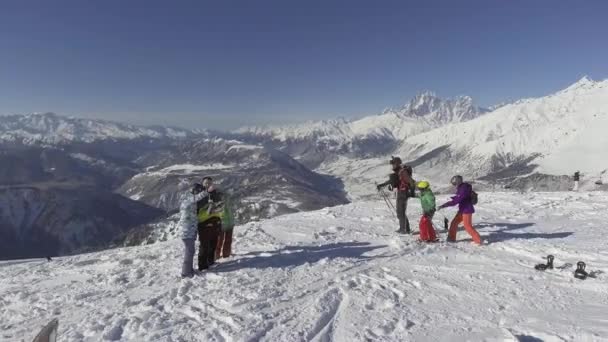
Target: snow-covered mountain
530	144
262	182
338	274
315	142
50	128
48	219
555	135
154	172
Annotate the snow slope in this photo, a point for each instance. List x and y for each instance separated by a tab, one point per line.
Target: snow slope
338	274
561	133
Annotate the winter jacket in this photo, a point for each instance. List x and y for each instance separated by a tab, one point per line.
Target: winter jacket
401	180
217	205
427	200
463	199
577	176
188	220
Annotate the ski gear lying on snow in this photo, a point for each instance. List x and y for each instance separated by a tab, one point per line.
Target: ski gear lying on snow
187	269
462	198
548	265
580	272
467	220
188	208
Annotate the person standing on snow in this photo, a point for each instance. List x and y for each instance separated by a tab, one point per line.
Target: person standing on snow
188	225
427	201
401	181
577	178
464	200
209	225
223	249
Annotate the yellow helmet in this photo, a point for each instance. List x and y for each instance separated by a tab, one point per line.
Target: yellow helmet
423	185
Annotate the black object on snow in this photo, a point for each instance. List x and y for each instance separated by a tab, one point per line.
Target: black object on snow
580	272
548	265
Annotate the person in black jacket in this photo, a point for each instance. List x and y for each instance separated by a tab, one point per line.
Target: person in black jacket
577	178
209	226
401	182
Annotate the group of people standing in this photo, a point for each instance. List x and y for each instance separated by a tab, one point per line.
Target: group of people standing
205	212
405	186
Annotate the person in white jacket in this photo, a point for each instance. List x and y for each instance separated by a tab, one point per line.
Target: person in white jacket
188	223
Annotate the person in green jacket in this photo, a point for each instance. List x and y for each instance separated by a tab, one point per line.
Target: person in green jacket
427	200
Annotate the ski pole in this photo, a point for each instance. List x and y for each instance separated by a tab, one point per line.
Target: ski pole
388	204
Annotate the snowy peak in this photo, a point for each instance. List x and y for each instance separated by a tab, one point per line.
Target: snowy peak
585	83
429	106
554	135
425	111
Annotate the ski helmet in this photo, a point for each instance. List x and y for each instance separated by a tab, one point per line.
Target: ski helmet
456	180
423	185
395	161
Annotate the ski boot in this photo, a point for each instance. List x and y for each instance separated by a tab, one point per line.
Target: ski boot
548	265
580	272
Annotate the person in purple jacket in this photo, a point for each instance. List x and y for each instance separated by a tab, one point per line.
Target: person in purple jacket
463	199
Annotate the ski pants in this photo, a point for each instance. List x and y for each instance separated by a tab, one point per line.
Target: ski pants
427	232
467	221
404	223
187	269
223	249
208	236
575	186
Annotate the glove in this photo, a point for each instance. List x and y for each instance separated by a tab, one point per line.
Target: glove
379	187
390	188
440	207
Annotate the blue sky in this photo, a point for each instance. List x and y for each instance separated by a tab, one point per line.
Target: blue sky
222	64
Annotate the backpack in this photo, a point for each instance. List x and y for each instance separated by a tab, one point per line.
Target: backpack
408	169
474	197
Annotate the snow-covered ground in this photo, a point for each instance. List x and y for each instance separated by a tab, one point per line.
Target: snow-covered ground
338	274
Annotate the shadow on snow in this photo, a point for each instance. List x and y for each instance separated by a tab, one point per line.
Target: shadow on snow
292	256
503	234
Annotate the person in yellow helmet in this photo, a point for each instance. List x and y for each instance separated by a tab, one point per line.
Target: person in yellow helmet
427	200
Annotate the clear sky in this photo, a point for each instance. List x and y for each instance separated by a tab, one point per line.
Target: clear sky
221	64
